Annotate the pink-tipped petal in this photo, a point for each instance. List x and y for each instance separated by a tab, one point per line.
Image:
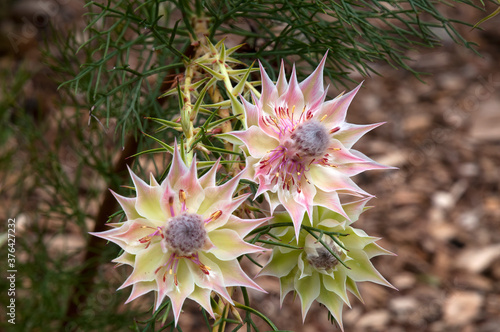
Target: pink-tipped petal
148	198
258	143
351	133
128	205
312	87
251	113
269	92
281	83
333	112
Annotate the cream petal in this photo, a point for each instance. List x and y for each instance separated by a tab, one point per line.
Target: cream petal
293	96
125	259
280	265
215	278
141	288
336	283
235	277
334	304
146	263
258	143
331	201
179	293
374	249
192	188
178	169
229	245
251	113
329	179
128	205
202	297
281	83
148	199
361	269
269	93
312	87
333	112
308	289
208	179
244	226
350	133
227	208
295	209
287	284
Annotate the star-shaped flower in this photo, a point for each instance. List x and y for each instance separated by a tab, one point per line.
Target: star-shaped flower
313	272
299	147
181	237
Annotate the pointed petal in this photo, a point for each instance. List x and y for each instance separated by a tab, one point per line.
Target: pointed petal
148	199
258	143
350	133
244	226
331	201
336	109
218	195
141	288
336	283
146	262
363	270
251	113
293	95
202	297
229	245
152	180
208	179
308	289
128	205
280	265
234	275
281	83
185	287
374	249
178	169
125	259
334	304
192	188
312	87
296	210
328	179
269	93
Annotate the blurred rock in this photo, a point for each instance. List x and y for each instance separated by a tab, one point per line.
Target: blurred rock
461	308
376	320
477	260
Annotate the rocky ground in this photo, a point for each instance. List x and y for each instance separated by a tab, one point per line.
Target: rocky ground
439	212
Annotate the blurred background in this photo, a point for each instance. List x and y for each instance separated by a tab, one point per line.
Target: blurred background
439	212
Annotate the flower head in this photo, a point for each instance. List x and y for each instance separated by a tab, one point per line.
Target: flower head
299	147
181	237
325	271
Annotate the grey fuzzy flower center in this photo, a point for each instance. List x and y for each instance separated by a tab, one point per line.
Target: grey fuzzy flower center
185	234
311	139
323	260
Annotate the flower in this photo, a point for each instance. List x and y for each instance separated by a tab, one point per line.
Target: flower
299	147
313	272
181	237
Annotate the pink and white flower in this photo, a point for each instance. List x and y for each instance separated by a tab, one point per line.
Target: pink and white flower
181	237
299	147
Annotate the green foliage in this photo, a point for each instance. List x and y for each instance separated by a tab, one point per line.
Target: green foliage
132	53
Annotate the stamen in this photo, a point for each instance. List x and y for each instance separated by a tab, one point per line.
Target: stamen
171	205
182	199
334	130
324	117
214	216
